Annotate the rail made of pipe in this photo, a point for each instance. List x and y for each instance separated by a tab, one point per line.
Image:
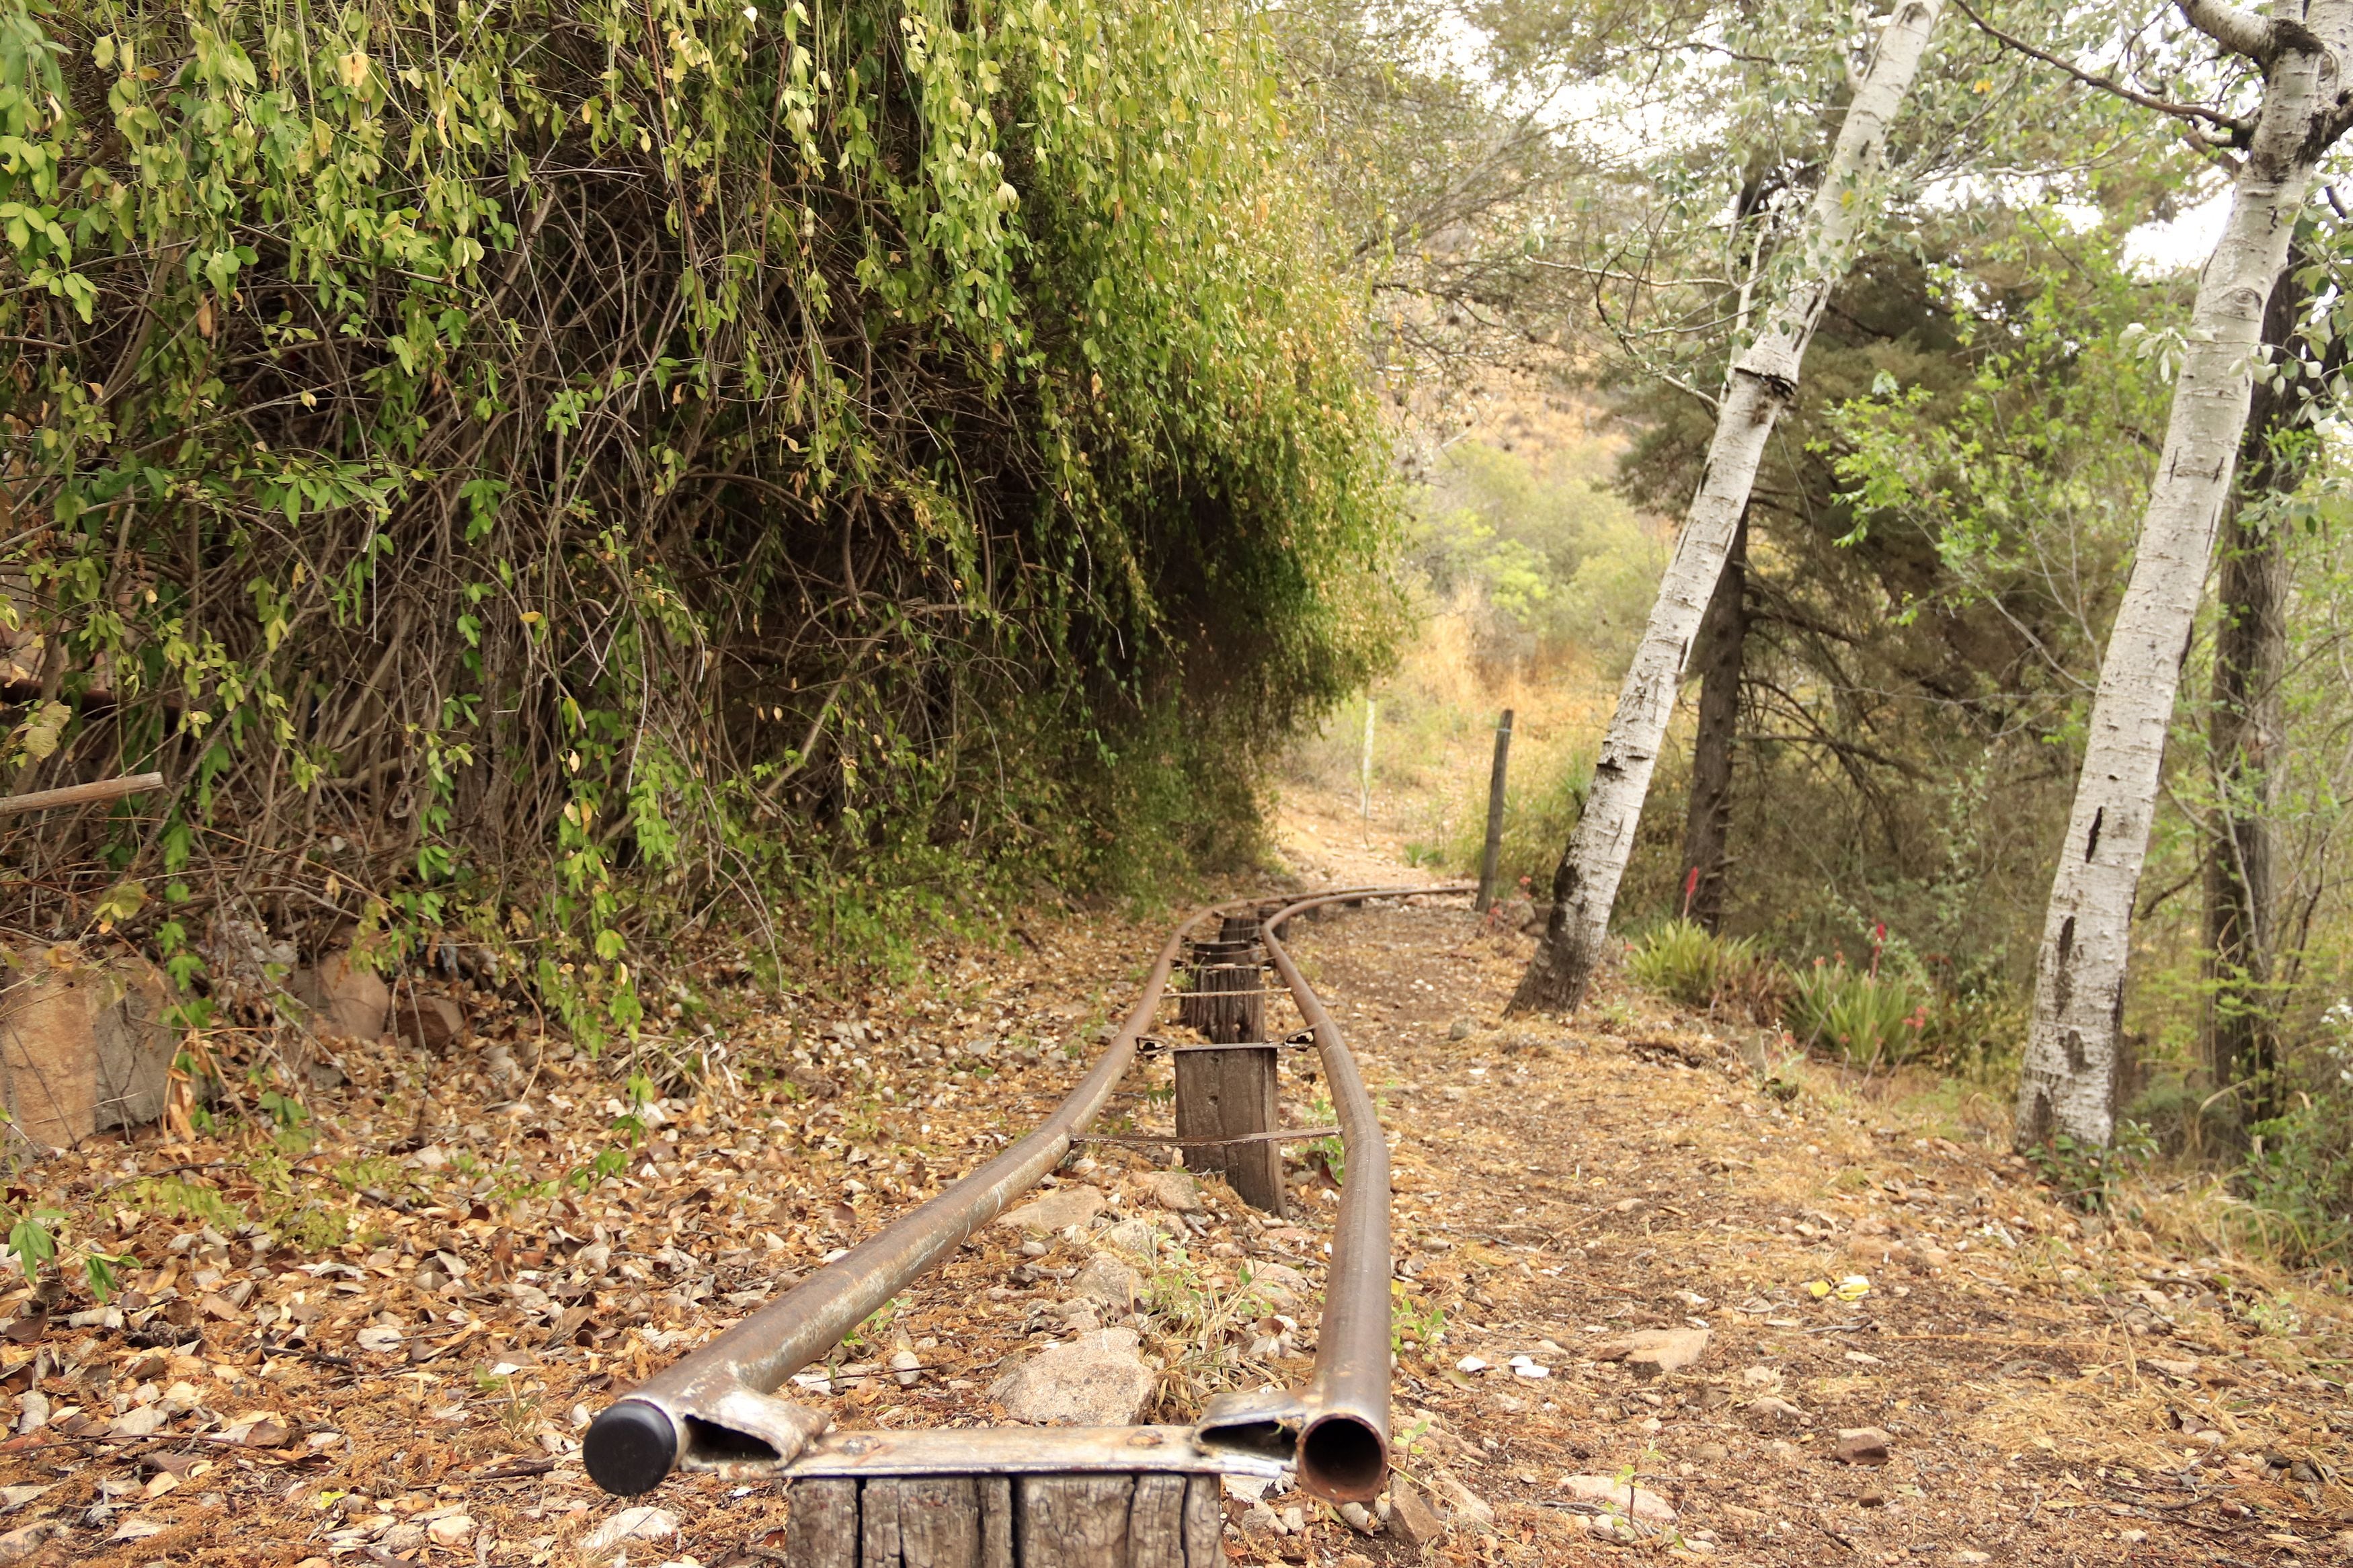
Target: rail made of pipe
1343	1443
715	1409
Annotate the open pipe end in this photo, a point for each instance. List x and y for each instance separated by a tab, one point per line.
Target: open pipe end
1343	1457
629	1448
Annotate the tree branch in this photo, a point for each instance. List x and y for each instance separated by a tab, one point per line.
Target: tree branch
2240	129
2234	28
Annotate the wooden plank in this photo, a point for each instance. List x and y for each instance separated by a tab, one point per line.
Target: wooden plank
1155	1523
822	1531
995	1494
878	1523
1205	1522
939	1521
1230	1094
1073	1522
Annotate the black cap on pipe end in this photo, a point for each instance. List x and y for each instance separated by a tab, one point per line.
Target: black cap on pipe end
629	1448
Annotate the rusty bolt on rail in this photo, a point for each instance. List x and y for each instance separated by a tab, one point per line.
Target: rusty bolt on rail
716	1410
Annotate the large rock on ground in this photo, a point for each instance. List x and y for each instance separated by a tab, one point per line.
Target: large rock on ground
1100	1379
83	1046
429	1023
347	1000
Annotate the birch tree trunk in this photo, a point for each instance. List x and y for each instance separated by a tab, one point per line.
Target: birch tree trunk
1763	380
2067	1084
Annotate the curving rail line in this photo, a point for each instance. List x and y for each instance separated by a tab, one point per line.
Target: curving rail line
716	1410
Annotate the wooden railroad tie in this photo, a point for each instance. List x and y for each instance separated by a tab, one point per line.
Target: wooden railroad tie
1148	1520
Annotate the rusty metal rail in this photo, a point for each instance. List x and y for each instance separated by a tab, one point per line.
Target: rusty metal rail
716	1410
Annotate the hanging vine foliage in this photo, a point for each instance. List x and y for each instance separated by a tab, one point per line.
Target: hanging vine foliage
501	460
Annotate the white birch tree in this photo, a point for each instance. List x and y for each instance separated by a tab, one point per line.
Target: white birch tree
1762	381
2068	1082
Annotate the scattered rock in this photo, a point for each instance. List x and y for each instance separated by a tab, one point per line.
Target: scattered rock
1172	1190
1469	1507
1862	1446
83	1047
1099	1379
1279	1285
1648	1352
626	1528
25	1540
455	1530
1138	1237
1056	1210
1635	1502
429	1023
1515	914
1411	1516
347	1000
1106	1279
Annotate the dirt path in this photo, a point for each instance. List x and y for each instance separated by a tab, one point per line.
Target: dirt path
2046	1395
375	1338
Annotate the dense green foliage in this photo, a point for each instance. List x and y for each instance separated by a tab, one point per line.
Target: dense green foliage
1546	560
553	470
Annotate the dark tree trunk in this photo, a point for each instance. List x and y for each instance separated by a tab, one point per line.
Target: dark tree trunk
2245	728
1707	826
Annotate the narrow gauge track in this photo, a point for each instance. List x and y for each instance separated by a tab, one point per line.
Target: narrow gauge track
1032	1497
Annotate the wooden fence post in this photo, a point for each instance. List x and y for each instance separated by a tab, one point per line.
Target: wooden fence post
1494	849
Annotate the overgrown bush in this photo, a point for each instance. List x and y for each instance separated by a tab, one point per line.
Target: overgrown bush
1869	1018
549	474
2300	1165
1683	960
